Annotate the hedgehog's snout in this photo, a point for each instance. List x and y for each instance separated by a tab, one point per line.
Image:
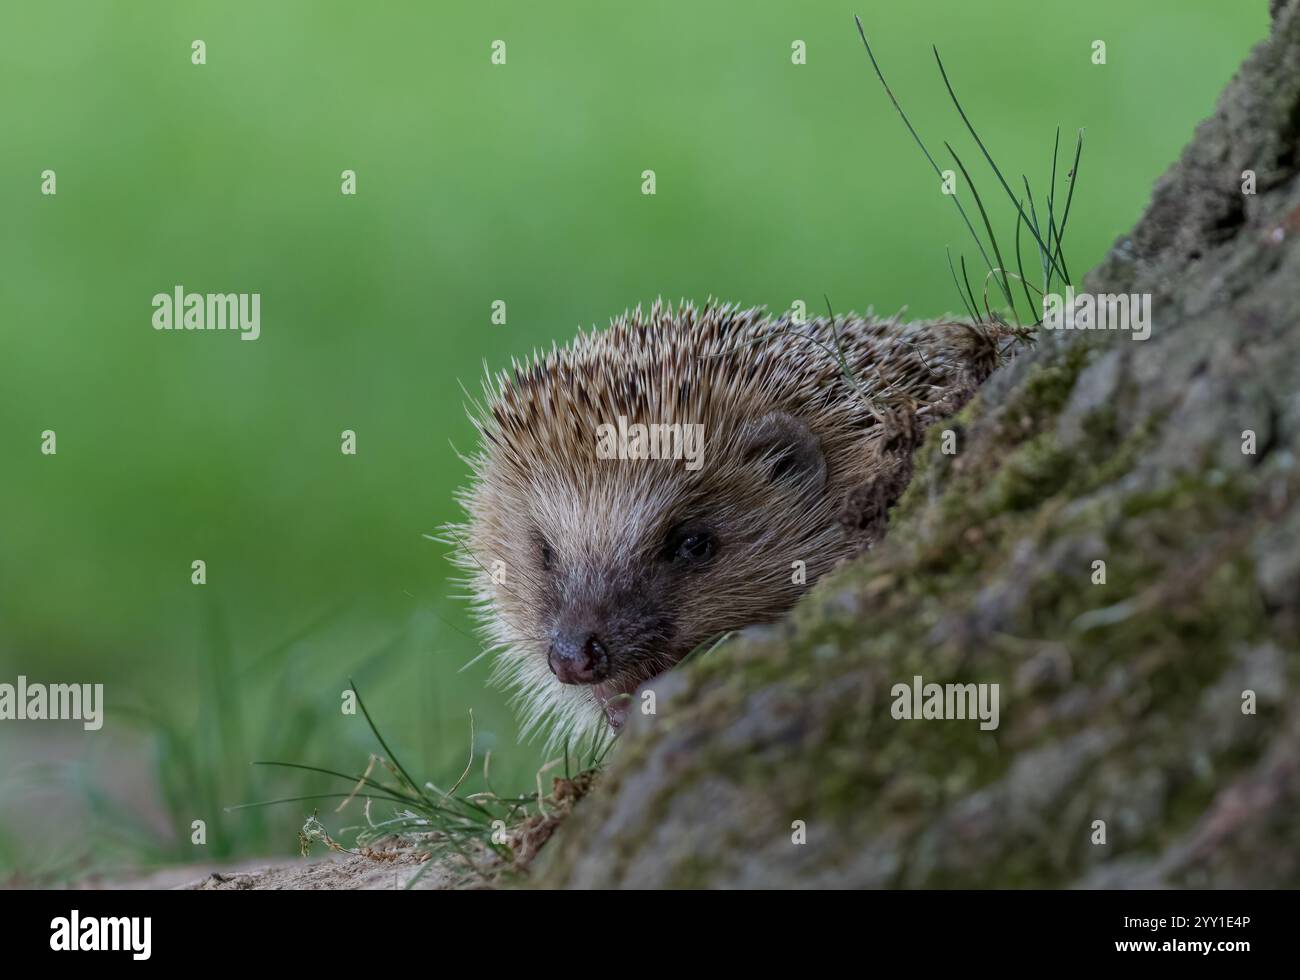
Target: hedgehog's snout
578	658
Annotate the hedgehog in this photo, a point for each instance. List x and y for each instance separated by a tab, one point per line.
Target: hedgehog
594	568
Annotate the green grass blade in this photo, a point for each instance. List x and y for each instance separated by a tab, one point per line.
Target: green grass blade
980	143
384	745
970	312
1000	272
1073	178
919	142
363	780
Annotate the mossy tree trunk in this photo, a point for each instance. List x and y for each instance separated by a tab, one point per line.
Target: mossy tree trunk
1120	702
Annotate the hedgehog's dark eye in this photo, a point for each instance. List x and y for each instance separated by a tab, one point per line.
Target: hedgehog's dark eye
690	546
548	556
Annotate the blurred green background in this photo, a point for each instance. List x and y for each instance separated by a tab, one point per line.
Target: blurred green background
476	182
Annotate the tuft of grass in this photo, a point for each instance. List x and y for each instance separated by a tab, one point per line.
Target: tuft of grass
1050	238
483	834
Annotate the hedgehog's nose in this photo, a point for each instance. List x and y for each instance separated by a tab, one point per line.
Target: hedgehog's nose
579	659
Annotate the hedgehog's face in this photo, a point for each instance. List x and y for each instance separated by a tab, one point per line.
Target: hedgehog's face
612	571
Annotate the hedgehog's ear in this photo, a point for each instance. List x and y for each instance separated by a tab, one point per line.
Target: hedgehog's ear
786	449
